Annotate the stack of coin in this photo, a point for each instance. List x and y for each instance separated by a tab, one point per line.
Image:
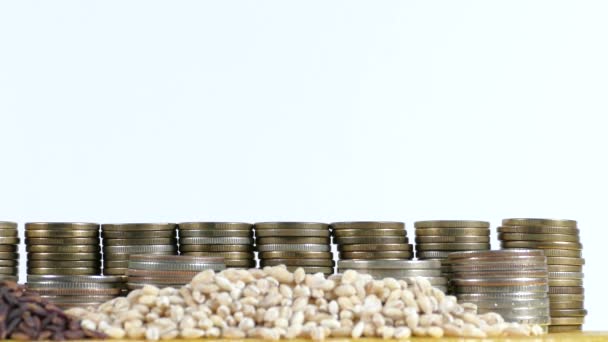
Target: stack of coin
76	291
9	256
513	283
232	241
122	240
398	269
367	240
56	248
560	242
295	244
168	270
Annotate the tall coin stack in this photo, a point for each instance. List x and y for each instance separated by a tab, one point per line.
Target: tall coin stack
295	244
512	283
232	241
9	255
560	242
75	291
124	239
398	269
435	240
168	270
370	240
56	248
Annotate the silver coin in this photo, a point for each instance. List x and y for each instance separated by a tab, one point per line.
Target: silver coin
139	249
566	275
73	278
214	226
216	233
292	233
294	248
396	273
500	295
73	285
371	240
508	303
166	266
389	264
216	241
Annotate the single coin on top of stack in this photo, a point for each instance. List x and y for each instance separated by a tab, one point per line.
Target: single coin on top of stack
398	269
512	283
168	270
9	255
62	248
371	240
232	241
295	244
560	242
76	291
123	239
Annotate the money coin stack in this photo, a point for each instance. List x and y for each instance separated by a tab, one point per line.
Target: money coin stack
76	291
55	248
295	244
368	240
168	270
232	241
560	242
513	283
9	255
122	240
398	269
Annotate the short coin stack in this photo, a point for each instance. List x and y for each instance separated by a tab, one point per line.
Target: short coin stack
512	283
56	248
560	242
232	241
295	244
370	240
76	291
122	240
398	269
9	256
168	270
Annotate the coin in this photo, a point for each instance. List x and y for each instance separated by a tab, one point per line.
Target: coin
539	222
137	226
8	225
8	277
143	234
4	233
389	264
292	240
451	224
63	248
138	249
368	225
9	270
73	278
116	264
295	255
567	320
164	274
541	244
139	242
507	254
452	232
501	289
225	255
369	232
66	299
9	240
297	262
312	269
216	241
240	263
568	312
9	262
62	241
73	285
189	266
537	237
565	282
567	305
372	240
397	273
512	304
8	248
294	247
452	246
219	233
377	255
432	254
564	268
538	230
216	248
64	271
564	328
566	290
126	256
77	292
523	272
498	282
61	264
567	275
214	226
569	253
54	233
63	256
565	297
115	271
375	247
565	261
290	225
451	238
61	226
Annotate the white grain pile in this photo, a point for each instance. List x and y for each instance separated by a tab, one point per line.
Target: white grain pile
273	303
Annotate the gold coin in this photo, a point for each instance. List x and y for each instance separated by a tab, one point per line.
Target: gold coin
9	270
297	262
65	226
63	256
565	297
452	246
216	248
143	234
39	233
214	226
568	253
9	240
62	241
565	282
567	305
565	261
452	238
567	320
538	230
63	249
64	270
115	271
116	264
225	255
541	244
339	233
130	227
320	233
375	247
9	262
8	248
539	222
141	249
564	268
8	233
218	233
564	328
8	225
452	224
134	242
566	290
371	240
537	237
452	232
568	312
295	255
290	225
377	255
368	225
63	264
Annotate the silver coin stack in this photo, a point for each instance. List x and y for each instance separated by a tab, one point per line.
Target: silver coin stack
168	270
398	269
76	291
9	257
369	240
123	239
513	283
232	241
295	244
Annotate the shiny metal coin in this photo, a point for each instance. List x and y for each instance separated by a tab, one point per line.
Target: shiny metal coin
138	249
566	290
216	241
215	226
8	233
292	233
396	273
295	255
290	225
372	240
367	225
130	227
370	255
61	226
63	248
537	237
569	253
541	244
566	275
185	266
9	270
538	230
8	248
63	256
452	238
539	222
565	282
12	263
340	233
216	233
452	246
9	255
294	248
375	247
291	240
452	232
63	264
64	271
240	263
297	262
565	328
142	234
225	255
501	289
567	320
8	225
565	261
568	312
389	264
216	248
62	241
573	304
72	279
54	233
452	224
140	242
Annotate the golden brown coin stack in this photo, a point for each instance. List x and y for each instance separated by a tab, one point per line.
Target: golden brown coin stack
62	248
123	239
436	239
168	270
295	244
372	240
232	241
9	255
76	291
560	242
513	283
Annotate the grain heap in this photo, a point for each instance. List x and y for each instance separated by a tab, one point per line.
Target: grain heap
273	303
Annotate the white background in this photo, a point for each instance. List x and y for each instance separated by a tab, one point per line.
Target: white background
121	111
